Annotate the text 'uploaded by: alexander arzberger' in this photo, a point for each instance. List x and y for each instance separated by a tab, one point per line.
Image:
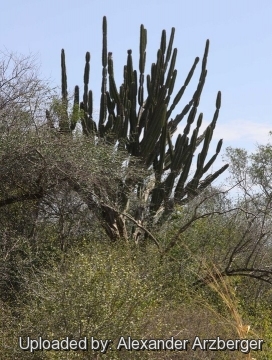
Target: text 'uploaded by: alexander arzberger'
130	344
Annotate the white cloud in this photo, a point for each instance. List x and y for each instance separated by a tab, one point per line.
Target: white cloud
244	130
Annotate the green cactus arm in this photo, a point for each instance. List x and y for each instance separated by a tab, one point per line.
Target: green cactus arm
75	111
162	143
143	42
179	190
90	104
169	48
130	75
213	158
103	98
171	68
104	47
163	42
64	124
112	85
63	77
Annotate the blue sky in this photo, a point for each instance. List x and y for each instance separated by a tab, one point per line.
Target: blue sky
239	63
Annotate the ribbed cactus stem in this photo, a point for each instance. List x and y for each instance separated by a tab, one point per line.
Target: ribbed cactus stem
103	99
75	111
63	77
64	119
86	81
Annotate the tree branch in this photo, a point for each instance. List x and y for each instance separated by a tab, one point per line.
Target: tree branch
25	197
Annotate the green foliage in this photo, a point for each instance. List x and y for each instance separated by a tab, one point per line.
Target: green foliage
108	291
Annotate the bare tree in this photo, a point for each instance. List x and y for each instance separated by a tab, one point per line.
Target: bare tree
23	94
248	221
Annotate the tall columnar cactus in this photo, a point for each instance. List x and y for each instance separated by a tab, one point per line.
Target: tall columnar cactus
103	99
64	119
145	126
